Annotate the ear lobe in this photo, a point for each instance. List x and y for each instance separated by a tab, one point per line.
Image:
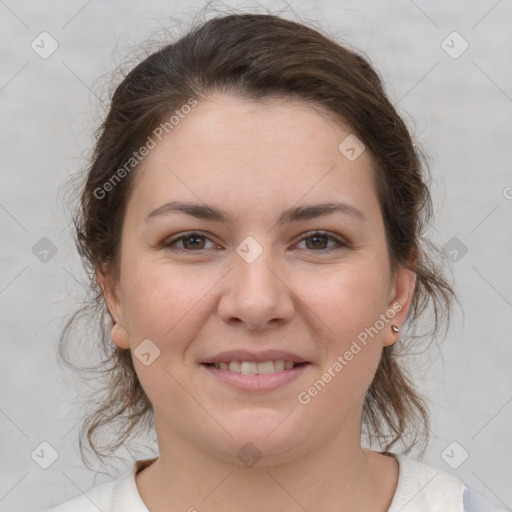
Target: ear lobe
402	292
119	333
119	336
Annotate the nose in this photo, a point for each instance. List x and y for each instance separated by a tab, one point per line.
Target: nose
256	294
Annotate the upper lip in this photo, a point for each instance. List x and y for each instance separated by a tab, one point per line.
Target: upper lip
258	357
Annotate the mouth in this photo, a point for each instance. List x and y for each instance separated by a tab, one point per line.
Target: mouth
256	368
252	376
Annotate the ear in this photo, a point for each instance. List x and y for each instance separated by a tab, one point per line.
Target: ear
111	294
400	297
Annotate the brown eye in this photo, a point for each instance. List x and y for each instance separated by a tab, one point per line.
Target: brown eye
318	241
191	242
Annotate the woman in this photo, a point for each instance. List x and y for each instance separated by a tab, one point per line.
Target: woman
252	219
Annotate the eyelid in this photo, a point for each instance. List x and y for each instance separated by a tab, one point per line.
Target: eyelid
168	242
340	241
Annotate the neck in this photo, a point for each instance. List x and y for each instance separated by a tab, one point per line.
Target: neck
339	475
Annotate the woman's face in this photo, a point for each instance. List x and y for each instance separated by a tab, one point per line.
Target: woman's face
255	283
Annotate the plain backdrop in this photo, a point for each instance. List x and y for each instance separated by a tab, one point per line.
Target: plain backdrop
455	93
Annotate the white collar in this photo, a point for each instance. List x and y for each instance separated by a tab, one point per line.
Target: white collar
425	488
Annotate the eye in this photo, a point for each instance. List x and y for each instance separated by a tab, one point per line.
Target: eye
317	241
191	242
320	239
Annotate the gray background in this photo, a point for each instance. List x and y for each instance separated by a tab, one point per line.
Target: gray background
459	108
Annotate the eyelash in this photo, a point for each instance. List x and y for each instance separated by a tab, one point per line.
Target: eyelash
170	244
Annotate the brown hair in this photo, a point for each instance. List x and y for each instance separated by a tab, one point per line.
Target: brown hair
259	56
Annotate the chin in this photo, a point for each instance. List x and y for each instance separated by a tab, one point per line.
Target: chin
263	438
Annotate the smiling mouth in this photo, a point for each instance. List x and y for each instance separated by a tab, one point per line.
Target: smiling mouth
255	368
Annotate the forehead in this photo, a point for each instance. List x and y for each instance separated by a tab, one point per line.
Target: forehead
244	151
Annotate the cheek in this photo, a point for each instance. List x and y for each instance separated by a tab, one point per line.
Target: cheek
162	300
348	300
347	310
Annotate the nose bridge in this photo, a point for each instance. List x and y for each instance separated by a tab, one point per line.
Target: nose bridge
255	292
253	273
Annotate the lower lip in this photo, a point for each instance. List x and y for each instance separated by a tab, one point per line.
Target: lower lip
256	382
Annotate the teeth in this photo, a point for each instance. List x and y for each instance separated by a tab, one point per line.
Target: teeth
234	366
248	368
279	366
263	368
253	368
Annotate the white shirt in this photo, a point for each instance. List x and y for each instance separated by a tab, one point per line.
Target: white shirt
421	488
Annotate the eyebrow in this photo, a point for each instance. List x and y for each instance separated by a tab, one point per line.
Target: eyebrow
293	214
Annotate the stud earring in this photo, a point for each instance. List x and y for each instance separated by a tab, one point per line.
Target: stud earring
395	329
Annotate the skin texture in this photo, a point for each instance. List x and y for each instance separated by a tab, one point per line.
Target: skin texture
254	160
